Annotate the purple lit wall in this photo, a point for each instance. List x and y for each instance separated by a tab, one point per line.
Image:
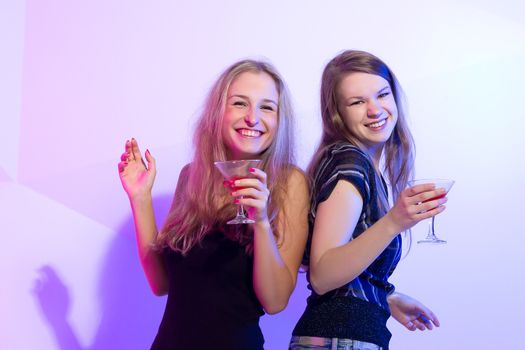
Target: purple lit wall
78	78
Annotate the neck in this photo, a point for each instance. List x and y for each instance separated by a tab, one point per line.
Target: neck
375	153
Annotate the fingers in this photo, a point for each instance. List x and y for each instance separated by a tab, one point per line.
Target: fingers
152	163
128	151
415	324
251	192
251	202
249	183
419	324
132	153
410	326
434	319
122	166
415	190
257	180
430	205
427	196
429	318
258	174
135	151
423	322
430	213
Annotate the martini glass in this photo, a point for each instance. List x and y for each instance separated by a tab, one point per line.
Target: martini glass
439	183
233	170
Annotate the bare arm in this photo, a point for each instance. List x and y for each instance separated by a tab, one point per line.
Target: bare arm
336	220
137	181
276	266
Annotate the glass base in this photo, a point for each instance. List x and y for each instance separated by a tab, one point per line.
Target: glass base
432	241
240	220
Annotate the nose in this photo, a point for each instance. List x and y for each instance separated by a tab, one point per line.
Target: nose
374	108
252	117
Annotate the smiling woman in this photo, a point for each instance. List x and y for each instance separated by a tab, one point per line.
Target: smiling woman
250	119
368	109
221	278
350	222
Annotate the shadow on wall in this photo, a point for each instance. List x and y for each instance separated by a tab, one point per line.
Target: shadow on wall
131	314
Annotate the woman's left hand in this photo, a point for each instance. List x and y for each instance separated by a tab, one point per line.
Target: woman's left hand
253	193
411	313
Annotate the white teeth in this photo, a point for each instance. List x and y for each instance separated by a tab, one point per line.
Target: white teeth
377	124
249	133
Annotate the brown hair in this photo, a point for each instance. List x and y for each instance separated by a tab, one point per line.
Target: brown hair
399	149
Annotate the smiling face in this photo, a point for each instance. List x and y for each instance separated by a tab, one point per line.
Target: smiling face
251	115
368	109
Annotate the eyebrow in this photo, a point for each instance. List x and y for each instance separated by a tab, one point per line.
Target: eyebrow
361	97
247	98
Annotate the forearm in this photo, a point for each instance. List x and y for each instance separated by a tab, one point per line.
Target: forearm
355	256
273	281
146	234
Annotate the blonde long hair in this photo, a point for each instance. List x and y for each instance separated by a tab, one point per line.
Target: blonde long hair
399	149
201	202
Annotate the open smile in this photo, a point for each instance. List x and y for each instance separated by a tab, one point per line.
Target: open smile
377	125
249	132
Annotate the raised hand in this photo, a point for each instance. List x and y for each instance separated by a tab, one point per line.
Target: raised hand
415	204
254	193
137	178
411	313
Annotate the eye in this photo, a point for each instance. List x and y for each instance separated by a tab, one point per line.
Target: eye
356	103
240	104
384	94
268	108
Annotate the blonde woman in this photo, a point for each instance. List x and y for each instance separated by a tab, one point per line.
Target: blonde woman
221	278
354	240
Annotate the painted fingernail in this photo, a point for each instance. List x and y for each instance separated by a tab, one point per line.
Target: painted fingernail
147	151
252	170
236	201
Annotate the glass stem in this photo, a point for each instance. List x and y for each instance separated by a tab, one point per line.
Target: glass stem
431	234
240	209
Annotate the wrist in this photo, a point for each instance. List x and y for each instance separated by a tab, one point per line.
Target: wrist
392	297
391	228
262	225
141	198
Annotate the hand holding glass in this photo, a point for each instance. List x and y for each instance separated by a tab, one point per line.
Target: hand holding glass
439	183
233	170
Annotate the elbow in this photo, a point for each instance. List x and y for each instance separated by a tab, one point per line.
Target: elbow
275	307
159	289
275	303
318	286
159	292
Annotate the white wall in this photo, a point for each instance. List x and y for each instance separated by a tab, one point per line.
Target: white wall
78	78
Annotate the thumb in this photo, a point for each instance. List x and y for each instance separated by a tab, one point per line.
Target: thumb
152	165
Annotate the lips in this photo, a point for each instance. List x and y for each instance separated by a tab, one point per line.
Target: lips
249	132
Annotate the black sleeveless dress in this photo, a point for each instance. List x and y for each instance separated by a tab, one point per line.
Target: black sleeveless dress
211	301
